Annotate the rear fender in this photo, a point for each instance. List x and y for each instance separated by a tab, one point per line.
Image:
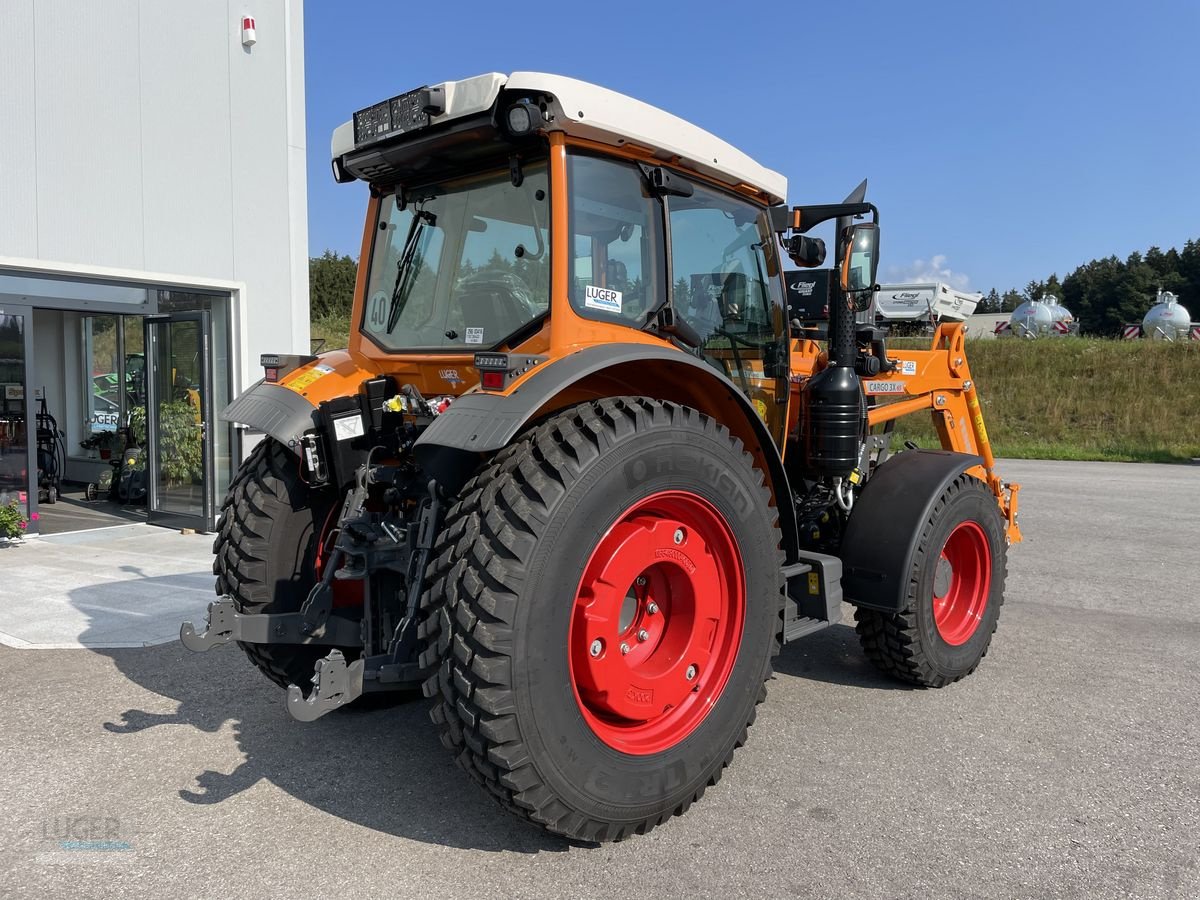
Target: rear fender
888	518
481	422
289	409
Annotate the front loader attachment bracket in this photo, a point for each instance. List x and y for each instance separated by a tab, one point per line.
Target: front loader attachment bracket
334	684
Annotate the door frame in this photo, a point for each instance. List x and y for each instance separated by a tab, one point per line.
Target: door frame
205	521
31	477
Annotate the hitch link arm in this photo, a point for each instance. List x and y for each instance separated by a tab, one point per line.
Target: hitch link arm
225	625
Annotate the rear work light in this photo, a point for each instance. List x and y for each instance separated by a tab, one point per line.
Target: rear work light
498	370
277	365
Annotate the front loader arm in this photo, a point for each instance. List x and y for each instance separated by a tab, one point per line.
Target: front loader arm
938	380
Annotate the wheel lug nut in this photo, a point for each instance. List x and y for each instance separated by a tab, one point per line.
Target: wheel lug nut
643	635
624	648
679	535
597	647
652	607
691	672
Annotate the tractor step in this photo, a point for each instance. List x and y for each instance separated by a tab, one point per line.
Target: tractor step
334	684
225	624
814	594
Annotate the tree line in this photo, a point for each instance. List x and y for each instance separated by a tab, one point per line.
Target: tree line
1106	294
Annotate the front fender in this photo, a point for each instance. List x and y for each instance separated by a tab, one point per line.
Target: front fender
888	518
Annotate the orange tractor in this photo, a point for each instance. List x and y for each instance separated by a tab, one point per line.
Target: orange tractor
578	474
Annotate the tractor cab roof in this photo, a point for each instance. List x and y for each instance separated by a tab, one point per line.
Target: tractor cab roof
369	145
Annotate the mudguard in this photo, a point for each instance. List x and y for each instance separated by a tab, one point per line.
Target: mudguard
481	422
888	518
273	410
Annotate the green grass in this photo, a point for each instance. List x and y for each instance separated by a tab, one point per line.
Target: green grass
1082	399
334	330
1061	398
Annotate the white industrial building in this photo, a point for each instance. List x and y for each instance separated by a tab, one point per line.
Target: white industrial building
153	242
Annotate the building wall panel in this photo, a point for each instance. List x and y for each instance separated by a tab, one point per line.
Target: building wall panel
18	145
187	178
89	132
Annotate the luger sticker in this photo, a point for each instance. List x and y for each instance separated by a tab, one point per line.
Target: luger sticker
602	298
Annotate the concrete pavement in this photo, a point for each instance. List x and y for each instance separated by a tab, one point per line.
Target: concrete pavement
1068	765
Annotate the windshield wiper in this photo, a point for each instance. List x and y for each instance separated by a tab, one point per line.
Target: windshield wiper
401	289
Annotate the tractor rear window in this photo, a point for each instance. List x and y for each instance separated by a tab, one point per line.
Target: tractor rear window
463	265
616	241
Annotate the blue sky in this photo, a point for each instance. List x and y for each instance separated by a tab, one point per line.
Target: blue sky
1003	141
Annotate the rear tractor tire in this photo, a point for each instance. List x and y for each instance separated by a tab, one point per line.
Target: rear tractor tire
955	589
605	599
266	551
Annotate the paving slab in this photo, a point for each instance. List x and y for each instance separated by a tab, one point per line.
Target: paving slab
123	586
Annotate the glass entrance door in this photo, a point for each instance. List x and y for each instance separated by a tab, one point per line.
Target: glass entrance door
178	420
18	476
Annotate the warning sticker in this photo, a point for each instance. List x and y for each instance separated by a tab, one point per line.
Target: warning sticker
884	387
348	427
908	367
474	336
303	379
602	298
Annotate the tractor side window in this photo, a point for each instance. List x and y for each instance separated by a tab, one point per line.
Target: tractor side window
725	273
615	242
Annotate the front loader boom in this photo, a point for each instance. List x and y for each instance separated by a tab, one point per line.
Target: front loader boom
939	380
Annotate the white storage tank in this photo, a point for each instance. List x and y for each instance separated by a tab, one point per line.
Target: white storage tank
1166	320
1045	317
1031	319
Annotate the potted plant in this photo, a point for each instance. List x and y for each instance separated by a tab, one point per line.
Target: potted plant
12	521
91	445
111	442
180	443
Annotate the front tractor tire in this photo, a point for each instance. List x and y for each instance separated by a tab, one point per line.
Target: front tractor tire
266	550
955	589
608	597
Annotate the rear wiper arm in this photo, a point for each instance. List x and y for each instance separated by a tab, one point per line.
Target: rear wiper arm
400	289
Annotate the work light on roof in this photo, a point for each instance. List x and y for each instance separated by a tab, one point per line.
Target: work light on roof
521	118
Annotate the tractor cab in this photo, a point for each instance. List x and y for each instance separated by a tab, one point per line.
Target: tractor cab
525	215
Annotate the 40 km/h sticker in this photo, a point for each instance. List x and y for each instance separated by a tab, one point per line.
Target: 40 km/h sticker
884	387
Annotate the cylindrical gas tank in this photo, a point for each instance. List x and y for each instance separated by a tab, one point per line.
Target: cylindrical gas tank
1058	312
1031	319
1166	320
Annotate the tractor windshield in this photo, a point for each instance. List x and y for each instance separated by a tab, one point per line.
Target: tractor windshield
463	265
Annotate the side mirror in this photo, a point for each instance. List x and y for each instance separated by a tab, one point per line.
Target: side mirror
861	260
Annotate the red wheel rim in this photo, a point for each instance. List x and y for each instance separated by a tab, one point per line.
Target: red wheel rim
657	622
961	583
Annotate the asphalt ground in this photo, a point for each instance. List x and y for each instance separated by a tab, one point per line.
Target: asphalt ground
1068	765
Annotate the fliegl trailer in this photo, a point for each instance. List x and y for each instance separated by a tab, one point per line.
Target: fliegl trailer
575	478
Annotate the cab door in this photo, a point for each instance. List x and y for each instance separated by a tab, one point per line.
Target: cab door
726	284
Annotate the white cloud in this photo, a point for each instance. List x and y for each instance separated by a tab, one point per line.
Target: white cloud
933	269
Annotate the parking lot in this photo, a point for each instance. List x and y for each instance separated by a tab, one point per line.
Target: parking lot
1068	765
